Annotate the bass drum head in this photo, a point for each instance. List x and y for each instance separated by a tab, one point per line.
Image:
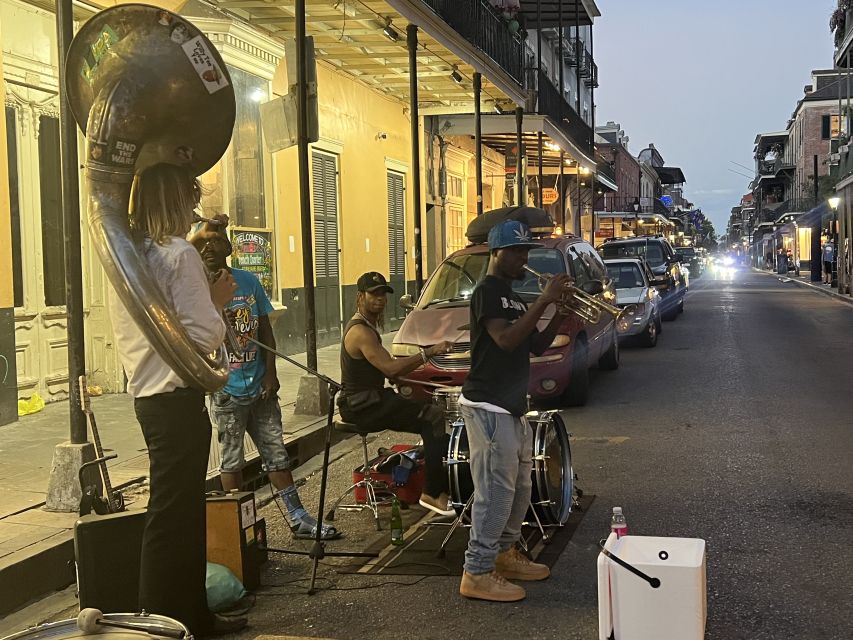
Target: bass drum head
68	629
553	477
458	471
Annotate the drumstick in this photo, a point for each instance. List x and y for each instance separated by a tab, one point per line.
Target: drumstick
424	382
88	620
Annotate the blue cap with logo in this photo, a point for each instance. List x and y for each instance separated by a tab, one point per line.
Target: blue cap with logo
511	233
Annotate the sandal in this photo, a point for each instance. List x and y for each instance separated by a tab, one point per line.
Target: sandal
308	531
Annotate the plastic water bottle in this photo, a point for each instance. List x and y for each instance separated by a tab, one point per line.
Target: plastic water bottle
618	524
396	523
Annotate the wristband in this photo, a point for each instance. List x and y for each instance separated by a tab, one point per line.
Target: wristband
424	357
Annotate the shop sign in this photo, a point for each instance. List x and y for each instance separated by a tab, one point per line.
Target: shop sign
253	253
549	195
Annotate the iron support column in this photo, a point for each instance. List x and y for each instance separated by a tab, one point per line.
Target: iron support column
521	189
541	177
562	191
478	141
816	258
412	43
304	189
71	223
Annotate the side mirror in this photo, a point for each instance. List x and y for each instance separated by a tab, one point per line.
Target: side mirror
406	302
593	287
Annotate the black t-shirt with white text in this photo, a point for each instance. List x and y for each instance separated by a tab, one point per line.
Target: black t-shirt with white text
498	377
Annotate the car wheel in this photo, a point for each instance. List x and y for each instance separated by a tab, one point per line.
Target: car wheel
577	392
610	359
658	324
649	337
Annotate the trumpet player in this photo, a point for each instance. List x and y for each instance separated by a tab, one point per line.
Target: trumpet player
493	403
249	400
171	413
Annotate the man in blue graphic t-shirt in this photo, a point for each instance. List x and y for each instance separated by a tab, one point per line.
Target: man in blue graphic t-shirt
249	400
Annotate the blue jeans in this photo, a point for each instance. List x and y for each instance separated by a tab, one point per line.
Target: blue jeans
234	416
501	457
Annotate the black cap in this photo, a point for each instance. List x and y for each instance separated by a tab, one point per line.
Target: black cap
373	281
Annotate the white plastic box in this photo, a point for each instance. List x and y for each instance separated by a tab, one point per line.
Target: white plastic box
631	609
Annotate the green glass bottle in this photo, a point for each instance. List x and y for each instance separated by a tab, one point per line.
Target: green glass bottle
396	522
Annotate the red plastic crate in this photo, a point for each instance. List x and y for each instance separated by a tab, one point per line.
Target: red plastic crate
409	493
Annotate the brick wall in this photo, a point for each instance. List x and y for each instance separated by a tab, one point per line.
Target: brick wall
626	169
807	141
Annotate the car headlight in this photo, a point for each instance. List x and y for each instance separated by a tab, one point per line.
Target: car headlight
402	350
560	340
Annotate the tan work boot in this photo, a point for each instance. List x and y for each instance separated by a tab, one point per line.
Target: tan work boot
514	565
490	586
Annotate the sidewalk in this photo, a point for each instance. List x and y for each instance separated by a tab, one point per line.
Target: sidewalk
36	545
804	280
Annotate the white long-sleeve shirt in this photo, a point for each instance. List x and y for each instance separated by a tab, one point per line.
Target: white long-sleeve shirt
178	270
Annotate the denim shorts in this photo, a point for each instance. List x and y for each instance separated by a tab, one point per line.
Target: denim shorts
261	419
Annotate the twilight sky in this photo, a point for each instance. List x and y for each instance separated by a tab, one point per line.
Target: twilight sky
699	79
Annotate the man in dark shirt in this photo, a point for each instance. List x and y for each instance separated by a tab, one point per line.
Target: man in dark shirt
365	401
493	404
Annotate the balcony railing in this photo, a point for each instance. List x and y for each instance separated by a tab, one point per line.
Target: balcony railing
772	168
616	203
479	24
552	104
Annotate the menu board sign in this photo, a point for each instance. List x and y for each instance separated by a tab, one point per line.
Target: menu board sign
253	253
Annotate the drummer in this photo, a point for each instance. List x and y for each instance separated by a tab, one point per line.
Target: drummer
366	402
493	404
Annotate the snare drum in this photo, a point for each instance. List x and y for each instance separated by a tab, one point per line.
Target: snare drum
151	626
447	399
552	474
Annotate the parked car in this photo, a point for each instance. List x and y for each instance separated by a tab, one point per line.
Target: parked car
442	313
665	263
633	280
693	261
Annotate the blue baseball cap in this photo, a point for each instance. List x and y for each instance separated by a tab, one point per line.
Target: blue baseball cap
511	233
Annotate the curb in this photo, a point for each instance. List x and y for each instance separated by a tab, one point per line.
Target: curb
808	285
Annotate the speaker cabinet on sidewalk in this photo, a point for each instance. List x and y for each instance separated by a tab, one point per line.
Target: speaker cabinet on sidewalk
107	550
232	535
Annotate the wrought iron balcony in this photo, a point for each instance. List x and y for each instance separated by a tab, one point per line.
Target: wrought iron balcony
552	104
616	203
479	24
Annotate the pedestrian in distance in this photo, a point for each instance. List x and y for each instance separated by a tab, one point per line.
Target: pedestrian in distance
249	401
493	404
365	401
172	414
828	257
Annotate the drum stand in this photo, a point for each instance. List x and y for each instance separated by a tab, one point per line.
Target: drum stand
318	548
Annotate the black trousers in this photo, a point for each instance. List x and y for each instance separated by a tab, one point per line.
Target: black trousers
398	414
174	555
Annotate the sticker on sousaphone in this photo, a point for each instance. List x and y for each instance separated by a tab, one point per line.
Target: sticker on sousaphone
205	64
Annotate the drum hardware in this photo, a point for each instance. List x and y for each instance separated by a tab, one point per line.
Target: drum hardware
91	622
88	620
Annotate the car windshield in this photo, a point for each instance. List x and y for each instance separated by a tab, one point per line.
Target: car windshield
651	251
625	275
456	277
544	261
688	252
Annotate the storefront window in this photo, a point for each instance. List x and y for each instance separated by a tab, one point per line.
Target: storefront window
246	192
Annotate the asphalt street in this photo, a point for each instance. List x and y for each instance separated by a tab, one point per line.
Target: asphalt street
734	429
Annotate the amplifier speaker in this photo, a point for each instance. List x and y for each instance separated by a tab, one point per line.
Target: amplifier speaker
232	535
108	549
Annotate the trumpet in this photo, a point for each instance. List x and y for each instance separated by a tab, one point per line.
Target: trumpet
587	306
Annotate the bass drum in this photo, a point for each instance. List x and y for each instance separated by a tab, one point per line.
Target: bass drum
552	475
150	626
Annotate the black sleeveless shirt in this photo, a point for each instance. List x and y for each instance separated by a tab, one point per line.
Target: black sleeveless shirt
357	374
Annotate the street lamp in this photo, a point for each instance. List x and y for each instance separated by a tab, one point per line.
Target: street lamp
834	201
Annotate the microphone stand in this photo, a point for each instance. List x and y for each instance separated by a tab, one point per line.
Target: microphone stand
318	548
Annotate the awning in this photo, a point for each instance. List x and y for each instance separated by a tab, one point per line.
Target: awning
670	175
573	12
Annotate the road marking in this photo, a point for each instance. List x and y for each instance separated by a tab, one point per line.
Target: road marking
601	439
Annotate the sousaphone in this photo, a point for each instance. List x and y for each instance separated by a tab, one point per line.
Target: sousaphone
146	86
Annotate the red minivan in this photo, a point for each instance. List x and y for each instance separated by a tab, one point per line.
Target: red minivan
442	313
